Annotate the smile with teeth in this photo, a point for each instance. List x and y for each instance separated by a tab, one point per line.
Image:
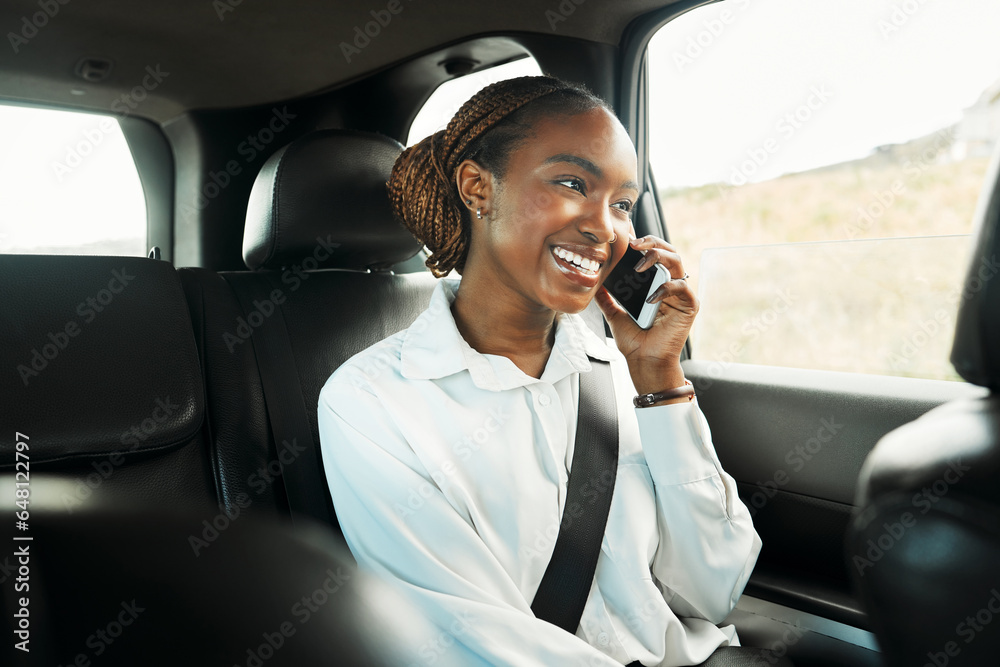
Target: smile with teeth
585	266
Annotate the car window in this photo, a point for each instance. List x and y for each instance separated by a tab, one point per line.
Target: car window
450	95
68	185
818	165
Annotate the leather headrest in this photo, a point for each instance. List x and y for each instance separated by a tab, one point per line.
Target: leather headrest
324	197
98	356
976	350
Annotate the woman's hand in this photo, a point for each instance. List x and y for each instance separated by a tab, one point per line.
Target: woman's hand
654	354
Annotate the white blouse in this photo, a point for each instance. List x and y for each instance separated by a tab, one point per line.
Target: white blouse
448	470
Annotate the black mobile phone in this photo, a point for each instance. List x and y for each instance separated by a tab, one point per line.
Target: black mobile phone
630	288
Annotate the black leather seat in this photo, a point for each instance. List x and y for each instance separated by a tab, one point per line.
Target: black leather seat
925	543
102	378
320	241
138	393
133	586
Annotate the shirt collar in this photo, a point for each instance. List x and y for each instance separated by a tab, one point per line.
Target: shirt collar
433	348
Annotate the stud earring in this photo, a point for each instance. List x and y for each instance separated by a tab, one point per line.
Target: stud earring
479	213
468	202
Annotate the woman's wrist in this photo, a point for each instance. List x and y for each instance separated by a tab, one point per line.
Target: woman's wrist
661	377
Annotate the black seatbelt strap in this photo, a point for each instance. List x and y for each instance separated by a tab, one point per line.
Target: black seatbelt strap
563	592
286	408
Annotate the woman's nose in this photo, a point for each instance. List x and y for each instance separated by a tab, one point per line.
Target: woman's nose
598	226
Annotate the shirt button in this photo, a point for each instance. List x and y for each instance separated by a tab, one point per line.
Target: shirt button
544	400
603	639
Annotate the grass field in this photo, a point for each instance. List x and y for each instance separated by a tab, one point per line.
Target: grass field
855	267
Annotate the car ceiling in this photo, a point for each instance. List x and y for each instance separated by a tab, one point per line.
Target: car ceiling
215	54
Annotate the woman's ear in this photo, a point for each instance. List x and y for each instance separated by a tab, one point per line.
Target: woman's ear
475	186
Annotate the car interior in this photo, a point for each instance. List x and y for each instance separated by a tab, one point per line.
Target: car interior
160	446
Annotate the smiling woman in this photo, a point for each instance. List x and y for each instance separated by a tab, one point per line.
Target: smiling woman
450	469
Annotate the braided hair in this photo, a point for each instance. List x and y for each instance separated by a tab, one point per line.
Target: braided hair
487	128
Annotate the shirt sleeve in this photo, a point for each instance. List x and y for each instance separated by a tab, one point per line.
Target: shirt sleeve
399	524
708	546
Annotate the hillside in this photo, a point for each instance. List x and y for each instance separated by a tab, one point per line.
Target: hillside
859	301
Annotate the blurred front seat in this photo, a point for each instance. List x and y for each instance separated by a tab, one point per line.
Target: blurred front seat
925	543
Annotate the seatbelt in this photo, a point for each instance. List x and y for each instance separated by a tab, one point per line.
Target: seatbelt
286	408
566	584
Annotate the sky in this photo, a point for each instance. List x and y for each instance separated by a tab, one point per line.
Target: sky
66	179
723	81
889	71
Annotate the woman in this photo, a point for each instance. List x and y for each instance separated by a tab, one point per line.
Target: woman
448	464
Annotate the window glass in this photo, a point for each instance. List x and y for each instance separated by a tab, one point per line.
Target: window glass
819	164
68	185
452	94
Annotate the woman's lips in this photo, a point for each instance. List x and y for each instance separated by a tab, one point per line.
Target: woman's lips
577	267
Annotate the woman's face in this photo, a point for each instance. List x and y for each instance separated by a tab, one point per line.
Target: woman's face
566	193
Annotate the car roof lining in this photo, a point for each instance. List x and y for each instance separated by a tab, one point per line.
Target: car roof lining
255	54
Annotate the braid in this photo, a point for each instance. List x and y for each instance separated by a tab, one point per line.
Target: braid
422	188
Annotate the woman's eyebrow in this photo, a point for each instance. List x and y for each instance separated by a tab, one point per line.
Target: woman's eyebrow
583	163
586	164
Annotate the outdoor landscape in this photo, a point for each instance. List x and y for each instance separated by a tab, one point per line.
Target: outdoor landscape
852	267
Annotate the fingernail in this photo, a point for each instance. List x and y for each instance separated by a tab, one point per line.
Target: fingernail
639	264
652	297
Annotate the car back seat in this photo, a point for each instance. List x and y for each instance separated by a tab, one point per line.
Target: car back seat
320	240
126	471
101	376
120	588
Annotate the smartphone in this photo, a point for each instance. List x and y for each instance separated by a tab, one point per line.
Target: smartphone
631	288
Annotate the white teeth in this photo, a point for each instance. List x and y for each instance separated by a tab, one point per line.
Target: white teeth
584	263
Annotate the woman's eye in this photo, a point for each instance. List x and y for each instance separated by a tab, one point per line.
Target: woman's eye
573	183
623	205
